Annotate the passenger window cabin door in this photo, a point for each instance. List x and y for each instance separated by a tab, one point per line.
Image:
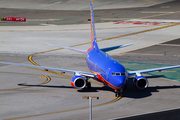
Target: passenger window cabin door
107	74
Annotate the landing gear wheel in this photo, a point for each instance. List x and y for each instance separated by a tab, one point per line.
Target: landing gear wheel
118	93
89	85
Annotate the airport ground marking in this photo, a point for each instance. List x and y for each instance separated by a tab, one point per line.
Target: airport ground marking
116	99
145	47
53	72
143	54
159	15
75	29
31	60
148	1
169	44
83	107
171	25
42	77
49	71
47	80
81	29
31	74
108	96
45	93
20	73
31	56
155	12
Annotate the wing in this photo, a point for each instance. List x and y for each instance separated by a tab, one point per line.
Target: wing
71	48
115	47
85	51
87	74
139	72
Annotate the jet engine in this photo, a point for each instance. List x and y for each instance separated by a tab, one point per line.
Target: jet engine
78	82
140	82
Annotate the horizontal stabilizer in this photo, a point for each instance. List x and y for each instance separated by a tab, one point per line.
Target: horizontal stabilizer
115	47
71	48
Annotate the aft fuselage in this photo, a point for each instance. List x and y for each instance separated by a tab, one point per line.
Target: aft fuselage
109	71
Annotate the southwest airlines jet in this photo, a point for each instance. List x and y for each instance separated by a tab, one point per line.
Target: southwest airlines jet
103	68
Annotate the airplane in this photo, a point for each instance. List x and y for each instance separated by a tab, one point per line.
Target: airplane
103	68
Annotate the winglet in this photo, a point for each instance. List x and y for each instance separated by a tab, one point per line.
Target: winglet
93	35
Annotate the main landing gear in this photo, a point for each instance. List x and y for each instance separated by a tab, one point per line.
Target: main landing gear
118	92
88	85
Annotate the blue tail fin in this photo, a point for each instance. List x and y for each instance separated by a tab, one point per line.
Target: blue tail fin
93	34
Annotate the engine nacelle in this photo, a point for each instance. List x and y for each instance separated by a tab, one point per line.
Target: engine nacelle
140	82
78	82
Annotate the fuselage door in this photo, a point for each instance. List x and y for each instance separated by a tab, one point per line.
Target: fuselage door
107	73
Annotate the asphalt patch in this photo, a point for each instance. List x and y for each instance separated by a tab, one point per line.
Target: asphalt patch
175	42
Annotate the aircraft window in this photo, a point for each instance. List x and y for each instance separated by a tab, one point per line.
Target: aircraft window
113	73
118	74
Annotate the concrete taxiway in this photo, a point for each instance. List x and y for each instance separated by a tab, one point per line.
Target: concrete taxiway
73	4
48	95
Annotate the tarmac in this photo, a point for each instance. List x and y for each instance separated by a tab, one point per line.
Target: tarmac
28	93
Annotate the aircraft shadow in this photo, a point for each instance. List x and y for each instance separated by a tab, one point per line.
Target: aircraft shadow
155	76
52	86
93	89
132	92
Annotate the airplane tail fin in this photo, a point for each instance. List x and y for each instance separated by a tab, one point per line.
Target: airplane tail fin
93	34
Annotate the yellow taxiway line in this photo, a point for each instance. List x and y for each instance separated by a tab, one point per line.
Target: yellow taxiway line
159	15
45	93
47	77
77	29
148	1
118	98
31	60
143	54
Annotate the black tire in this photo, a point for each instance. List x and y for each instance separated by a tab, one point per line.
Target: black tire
89	85
116	94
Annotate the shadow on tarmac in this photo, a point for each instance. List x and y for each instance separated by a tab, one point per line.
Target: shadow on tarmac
95	89
52	86
129	92
132	92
